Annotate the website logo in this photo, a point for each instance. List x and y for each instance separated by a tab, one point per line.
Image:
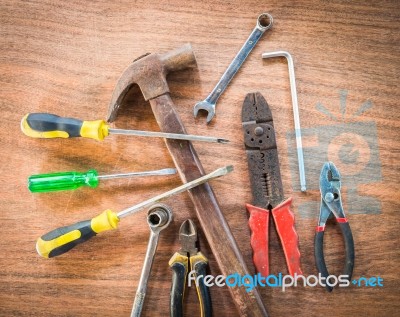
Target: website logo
348	141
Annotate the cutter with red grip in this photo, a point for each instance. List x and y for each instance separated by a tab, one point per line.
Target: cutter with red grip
266	186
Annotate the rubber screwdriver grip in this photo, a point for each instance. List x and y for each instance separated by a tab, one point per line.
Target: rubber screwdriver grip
42	183
46	125
63	239
179	266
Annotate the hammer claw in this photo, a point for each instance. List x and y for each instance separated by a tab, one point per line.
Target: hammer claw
149	72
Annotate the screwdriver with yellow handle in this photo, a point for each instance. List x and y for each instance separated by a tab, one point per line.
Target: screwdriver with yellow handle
43	183
63	239
47	126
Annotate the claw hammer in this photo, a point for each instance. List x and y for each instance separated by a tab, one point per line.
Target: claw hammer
149	72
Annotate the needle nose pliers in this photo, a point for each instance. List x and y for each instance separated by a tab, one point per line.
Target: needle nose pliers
331	203
188	257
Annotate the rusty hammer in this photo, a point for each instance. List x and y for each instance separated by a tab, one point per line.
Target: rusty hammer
149	72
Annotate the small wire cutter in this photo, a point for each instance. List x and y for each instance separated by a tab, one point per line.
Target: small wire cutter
331	204
188	257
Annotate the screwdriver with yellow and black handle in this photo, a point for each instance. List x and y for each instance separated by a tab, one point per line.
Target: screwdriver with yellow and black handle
43	183
47	126
63	239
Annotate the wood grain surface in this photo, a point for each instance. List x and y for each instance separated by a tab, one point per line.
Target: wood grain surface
65	57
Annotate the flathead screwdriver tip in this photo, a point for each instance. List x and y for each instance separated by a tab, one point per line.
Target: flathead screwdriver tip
169	171
222	141
229	168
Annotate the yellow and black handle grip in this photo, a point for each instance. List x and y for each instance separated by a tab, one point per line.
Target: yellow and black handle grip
179	265
198	263
63	239
47	126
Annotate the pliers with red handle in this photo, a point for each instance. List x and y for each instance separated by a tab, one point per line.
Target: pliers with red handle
331	204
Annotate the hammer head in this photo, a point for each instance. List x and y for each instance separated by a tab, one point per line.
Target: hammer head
149	72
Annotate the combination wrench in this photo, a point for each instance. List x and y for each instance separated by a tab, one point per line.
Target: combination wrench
158	217
264	22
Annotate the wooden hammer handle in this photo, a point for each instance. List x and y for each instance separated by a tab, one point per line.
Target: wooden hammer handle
211	219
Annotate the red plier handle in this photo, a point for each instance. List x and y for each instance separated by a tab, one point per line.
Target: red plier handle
284	223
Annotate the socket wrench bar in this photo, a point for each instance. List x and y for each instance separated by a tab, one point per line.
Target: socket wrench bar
159	217
295	105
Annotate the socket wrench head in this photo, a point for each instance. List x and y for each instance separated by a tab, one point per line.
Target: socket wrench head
159	216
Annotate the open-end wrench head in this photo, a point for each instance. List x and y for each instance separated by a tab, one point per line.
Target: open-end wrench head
205	106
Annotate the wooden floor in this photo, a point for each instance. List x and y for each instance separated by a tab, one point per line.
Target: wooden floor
64	57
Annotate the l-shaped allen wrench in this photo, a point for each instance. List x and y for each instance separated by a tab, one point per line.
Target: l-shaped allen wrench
295	105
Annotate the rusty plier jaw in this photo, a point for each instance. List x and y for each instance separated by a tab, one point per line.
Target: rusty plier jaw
188	238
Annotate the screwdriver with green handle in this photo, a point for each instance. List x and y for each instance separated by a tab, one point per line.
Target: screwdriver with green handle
42	183
63	239
47	126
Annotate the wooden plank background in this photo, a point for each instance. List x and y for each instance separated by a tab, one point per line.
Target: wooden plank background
65	57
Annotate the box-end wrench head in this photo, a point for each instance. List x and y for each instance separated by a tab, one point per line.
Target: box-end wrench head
159	217
264	22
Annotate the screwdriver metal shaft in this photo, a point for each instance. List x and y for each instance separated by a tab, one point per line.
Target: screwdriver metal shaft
217	173
176	136
165	171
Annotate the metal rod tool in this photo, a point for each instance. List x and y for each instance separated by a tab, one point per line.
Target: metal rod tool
296	115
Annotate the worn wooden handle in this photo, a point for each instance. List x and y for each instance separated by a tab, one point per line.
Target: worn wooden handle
212	220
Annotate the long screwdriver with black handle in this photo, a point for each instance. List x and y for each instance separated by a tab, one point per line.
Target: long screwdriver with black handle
48	126
63	239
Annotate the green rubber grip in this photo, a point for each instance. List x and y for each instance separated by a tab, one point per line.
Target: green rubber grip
63	239
42	183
